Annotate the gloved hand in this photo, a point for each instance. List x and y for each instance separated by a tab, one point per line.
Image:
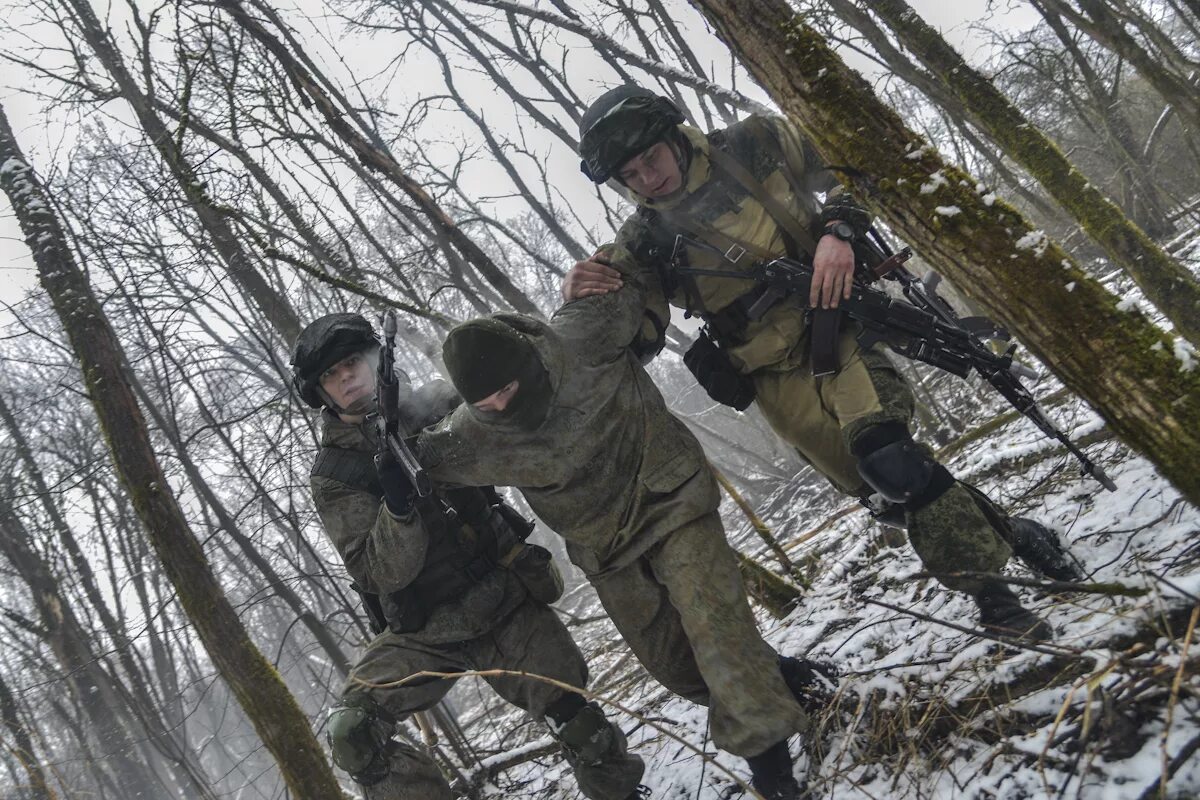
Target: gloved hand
398	492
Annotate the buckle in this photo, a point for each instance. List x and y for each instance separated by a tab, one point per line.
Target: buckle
730	257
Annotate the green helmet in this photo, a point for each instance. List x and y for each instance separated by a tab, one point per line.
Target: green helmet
325	342
621	123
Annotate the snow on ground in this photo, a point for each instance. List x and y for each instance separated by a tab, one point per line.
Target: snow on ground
924	710
892	735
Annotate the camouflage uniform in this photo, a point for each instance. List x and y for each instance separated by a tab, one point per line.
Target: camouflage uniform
493	624
822	417
627	486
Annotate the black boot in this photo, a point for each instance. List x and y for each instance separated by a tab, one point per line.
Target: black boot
812	683
1043	551
639	793
771	773
1001	613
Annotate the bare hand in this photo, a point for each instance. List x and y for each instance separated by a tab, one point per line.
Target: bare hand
591	277
833	273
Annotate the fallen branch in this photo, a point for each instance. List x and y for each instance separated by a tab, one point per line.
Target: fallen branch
1108	588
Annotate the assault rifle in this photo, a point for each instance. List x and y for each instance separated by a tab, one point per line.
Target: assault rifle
926	328
392	433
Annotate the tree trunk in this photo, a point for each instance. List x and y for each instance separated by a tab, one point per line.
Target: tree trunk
1162	279
22	747
379	159
271	303
1101	25
268	704
1116	360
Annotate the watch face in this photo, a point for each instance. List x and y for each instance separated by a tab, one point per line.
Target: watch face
843	231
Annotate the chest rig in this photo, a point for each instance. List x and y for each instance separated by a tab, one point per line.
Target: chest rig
471	533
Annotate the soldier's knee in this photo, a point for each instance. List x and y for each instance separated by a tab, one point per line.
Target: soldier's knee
582	729
897	467
360	736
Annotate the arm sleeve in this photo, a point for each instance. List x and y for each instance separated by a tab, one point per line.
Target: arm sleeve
629	257
809	174
602	327
382	553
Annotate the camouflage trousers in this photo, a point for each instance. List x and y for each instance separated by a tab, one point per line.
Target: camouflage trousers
822	416
682	609
534	640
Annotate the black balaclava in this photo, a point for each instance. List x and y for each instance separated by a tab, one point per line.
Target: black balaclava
485	355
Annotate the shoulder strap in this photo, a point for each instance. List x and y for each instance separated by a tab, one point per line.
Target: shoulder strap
355	468
788	225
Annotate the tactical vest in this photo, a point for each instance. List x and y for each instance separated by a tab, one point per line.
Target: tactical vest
469	532
756	152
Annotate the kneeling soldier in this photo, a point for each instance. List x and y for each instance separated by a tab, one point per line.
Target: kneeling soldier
450	585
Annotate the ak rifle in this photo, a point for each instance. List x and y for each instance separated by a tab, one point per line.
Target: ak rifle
392	433
925	328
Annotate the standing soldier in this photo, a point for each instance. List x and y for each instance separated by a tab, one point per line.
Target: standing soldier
564	412
748	192
449	583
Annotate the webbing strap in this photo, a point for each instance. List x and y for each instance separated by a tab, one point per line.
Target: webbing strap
789	226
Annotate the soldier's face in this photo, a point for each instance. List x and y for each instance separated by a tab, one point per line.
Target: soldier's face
498	401
349	381
655	173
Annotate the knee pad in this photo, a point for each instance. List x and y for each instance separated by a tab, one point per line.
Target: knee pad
898	468
360	735
587	736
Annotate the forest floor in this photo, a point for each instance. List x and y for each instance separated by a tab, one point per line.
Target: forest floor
925	709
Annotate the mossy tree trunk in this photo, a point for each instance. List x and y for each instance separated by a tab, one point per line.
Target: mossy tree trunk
1116	360
273	305
1162	279
271	708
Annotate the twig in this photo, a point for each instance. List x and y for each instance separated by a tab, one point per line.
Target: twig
1174	697
589	694
1044	650
1111	589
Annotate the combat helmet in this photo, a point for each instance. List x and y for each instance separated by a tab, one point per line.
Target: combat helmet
325	342
621	123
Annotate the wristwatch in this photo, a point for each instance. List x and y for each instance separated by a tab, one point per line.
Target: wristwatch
842	230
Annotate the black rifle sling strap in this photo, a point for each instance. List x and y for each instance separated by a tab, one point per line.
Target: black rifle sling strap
826	322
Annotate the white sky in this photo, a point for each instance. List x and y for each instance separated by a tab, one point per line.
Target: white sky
42	145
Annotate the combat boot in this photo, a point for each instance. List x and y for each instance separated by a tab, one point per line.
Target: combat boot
812	683
771	773
1001	613
1041	549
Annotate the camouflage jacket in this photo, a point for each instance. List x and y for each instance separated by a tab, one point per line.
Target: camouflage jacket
773	152
610	469
384	554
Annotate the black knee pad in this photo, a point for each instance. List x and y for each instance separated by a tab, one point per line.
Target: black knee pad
898	468
360	738
562	710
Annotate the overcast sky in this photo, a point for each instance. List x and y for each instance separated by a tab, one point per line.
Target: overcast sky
954	18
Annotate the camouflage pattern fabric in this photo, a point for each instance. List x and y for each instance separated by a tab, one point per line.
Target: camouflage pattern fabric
682	608
626	484
534	640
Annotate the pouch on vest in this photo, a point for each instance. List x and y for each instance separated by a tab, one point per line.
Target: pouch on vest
713	370
535	568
